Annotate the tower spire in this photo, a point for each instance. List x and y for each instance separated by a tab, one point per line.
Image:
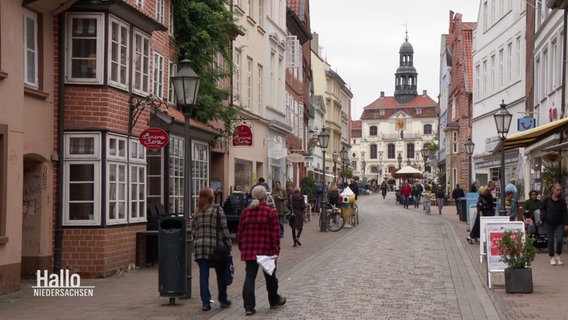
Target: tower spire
406	75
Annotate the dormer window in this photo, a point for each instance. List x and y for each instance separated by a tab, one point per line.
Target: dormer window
418	110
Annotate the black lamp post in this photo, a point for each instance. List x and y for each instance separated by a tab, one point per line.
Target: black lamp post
502	122
186	86
323	139
363	164
335	156
343	155
469	146
425	153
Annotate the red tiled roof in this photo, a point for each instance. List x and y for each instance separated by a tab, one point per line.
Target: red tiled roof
294	5
391	106
356	129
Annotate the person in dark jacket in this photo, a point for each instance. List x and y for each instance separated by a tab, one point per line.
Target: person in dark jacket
354	186
205	232
555	217
259	234
440	197
484	208
333	195
297	223
456	194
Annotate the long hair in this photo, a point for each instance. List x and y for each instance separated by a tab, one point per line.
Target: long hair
206	198
258	194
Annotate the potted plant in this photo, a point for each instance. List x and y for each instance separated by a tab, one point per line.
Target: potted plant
517	251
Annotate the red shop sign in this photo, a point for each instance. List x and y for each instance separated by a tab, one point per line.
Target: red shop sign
242	136
154	138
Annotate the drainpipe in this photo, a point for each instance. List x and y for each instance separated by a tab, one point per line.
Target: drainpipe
58	247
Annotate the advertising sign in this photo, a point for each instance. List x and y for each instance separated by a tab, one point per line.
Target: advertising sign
494	231
154	138
242	136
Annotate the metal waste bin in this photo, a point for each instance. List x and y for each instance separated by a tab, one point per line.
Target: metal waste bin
171	257
461	205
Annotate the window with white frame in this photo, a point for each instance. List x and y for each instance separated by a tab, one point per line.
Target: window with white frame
373	130
155	176
272	79
250	8
537	80
477	87
141	63
237	77
249	97
140	3
160	11
545	72
260	8
427	129
172	70
176	163
554	62
484	94
373	151
137	203
85	57
116	179
158	76
493	85
220	69
119	51
199	169
171	24
30	49
518	57
259	78
501	68
509	63
455	142
82	179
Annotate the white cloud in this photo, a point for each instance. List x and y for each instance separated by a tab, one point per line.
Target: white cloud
361	39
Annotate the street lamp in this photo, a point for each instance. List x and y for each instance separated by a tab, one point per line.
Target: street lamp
425	153
469	146
186	86
399	159
343	155
502	122
363	164
335	156
323	139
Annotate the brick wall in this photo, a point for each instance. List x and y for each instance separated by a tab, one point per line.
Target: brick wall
97	253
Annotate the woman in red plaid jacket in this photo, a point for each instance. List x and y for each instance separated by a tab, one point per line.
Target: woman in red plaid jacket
259	234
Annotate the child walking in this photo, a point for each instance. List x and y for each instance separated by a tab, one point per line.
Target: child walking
426	197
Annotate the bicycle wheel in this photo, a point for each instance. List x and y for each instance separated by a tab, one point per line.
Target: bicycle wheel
335	221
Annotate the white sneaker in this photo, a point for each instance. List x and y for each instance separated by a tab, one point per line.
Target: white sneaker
558	262
553	261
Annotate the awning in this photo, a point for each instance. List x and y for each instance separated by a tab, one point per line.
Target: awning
528	137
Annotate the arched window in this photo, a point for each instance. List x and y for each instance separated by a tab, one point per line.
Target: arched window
427	129
373	130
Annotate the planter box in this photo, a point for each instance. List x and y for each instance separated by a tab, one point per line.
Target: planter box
518	280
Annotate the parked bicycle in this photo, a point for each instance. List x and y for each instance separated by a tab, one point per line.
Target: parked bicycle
335	221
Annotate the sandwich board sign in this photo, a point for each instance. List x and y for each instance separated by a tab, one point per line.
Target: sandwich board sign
494	231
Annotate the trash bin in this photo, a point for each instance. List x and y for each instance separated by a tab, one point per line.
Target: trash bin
461	205
171	257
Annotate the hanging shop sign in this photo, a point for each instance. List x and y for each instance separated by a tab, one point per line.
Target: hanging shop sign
242	136
154	138
525	124
552	157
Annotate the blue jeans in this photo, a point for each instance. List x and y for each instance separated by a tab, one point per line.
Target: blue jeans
405	201
551	232
204	281
249	299
281	220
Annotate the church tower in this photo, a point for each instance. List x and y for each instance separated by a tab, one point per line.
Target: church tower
406	76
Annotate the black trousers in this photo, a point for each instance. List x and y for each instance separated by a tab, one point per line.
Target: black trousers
249	299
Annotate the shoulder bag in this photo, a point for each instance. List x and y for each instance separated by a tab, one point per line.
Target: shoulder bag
222	252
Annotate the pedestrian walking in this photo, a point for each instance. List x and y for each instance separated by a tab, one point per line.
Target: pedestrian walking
205	231
384	188
280	199
259	234
297	223
440	197
555	217
405	192
473	187
416	194
457	193
426	198
484	208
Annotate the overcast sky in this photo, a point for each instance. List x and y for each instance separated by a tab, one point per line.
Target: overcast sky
361	38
